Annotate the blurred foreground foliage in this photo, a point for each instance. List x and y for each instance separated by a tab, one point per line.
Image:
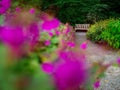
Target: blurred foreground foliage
8	79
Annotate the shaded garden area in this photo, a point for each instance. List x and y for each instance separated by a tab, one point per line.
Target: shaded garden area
40	49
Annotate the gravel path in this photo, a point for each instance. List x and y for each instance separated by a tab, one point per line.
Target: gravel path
95	53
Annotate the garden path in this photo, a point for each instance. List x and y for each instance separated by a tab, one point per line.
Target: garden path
95	53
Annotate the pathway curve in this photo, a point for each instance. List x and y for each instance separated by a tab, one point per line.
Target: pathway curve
95	53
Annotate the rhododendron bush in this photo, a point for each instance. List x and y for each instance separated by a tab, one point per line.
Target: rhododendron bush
38	52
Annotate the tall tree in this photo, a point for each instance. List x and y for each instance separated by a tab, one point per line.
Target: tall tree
78	11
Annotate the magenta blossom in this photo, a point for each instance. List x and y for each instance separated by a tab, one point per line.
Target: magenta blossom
44	16
16	36
71	56
47	42
33	34
51	34
83	45
64	55
71	72
50	24
17	9
118	61
71	44
4	5
69	75
12	36
47	67
32	11
96	84
57	32
67	30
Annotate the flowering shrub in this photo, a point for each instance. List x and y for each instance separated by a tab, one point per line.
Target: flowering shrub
4	6
42	54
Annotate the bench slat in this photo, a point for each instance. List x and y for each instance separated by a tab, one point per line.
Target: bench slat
82	26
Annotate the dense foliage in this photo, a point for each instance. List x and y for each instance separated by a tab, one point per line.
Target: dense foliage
26	3
112	34
83	11
75	11
106	31
95	31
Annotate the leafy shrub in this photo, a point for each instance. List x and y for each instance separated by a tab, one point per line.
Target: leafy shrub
112	33
107	31
94	32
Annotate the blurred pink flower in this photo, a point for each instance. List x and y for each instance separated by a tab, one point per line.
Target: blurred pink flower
96	84
50	33
32	11
67	30
12	36
118	61
47	67
64	55
57	32
43	16
17	9
47	42
16	37
4	5
71	56
83	45
71	44
33	33
71	72
50	24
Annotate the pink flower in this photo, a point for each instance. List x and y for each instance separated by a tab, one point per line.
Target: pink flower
69	74
71	56
50	33
97	84
32	11
4	5
17	9
44	16
57	32
16	37
47	42
12	36
33	33
71	44
50	24
67	30
83	45
47	67
118	61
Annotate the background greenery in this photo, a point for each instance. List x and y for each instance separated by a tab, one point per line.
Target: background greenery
83	11
76	11
106	31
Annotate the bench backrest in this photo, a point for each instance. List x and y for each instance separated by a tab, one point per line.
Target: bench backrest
82	26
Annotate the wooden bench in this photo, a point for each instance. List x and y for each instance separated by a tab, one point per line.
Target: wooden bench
82	27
